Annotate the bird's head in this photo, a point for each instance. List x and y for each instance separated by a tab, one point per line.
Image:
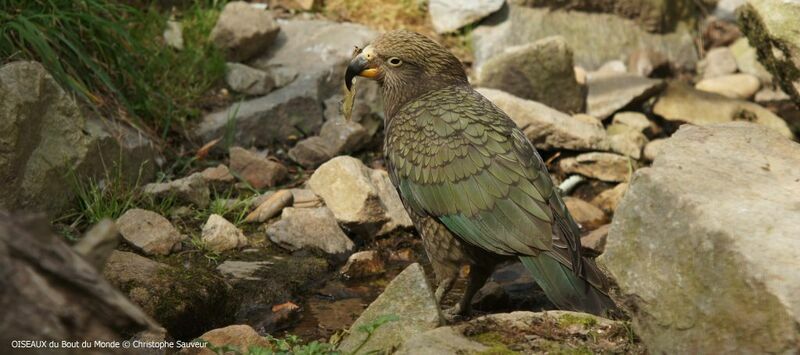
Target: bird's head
406	64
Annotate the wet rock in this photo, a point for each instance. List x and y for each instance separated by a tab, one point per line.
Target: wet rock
611	92
602	166
174	296
247	80
547	128
257	170
359	197
192	189
635	120
609	199
773	29
747	60
271	207
586	214
729	194
594	38
626	140
313	228
595	242
173	34
409	300
149	232
363	264
243	31
541	71
439	341
220	235
238	336
44	135
718	62
652	149
450	15
735	86
236	271
683	103
645	62
219	177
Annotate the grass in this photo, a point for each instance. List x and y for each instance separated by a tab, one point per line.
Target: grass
125	69
383	15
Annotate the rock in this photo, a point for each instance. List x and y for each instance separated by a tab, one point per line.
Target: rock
258	171
220	235
735	86
747	60
363	264
625	140
719	33
243	31
98	242
336	137
149	232
609	199
595	241
602	166
611	92
173	34
729	194
635	120
547	128
191	189
586	214
362	201
726	9
172	295
236	271
304	198
219	177
443	340
311	152
611	67
645	62
541	71
451	15
718	62
594	38
773	29
238	336
653	149
682	103
271	207
768	94
44	135
409	301
247	80
313	228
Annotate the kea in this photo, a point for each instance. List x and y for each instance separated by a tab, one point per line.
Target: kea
473	184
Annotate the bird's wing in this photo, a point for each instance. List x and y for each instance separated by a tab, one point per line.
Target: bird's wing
456	156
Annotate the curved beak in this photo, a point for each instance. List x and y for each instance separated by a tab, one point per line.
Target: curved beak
359	66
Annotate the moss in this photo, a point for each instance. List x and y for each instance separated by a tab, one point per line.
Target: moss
567	320
495	341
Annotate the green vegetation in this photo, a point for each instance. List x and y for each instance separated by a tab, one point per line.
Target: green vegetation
570	319
125	65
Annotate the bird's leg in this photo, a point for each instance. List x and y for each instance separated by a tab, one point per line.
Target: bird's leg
444	286
477	278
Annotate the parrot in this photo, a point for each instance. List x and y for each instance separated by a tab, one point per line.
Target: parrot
476	189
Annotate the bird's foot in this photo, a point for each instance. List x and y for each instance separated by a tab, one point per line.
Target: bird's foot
455	314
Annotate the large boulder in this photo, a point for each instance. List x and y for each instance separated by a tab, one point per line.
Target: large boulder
48	143
704	243
774	29
541	71
450	15
594	38
312	228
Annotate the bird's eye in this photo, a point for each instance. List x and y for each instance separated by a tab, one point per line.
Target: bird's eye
395	62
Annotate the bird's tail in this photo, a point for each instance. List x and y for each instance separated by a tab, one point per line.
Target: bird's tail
566	289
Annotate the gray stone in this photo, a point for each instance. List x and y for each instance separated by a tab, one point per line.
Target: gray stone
236	271
451	15
257	170
220	235
602	166
441	341
191	189
735	86
611	92
716	277
243	31
541	71
219	177
408	297
653	149
336	137
45	135
313	228
98	242
626	140
149	232
773	27
683	103
305	198
747	60
718	61
248	80
547	128
769	94
635	120
594	38
395	211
